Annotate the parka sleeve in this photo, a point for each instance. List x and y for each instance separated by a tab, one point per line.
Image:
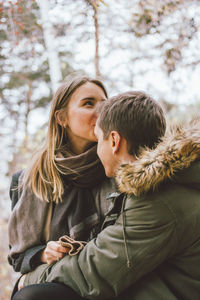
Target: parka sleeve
140	240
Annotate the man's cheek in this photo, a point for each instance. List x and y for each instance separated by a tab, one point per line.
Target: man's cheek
99	152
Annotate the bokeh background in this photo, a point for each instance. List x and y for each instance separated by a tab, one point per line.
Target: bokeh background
146	45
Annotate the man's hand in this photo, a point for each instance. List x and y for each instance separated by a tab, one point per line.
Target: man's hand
21	282
53	252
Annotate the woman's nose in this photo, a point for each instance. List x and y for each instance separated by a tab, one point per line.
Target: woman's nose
97	108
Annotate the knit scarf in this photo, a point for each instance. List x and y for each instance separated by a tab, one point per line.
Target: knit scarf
76	215
84	170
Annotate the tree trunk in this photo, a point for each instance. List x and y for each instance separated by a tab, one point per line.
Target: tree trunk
53	59
96	26
94	4
28	109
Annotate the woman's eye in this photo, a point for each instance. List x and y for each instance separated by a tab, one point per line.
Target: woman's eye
89	103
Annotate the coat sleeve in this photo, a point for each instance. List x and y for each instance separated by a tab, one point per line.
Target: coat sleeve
27	261
101	271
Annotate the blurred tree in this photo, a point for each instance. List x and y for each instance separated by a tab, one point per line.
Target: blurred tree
53	59
151	18
95	6
149	41
25	75
22	69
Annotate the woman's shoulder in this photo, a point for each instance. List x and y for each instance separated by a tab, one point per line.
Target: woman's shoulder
15	176
14	187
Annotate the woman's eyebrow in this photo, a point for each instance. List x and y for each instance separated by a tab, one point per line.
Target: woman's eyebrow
88	98
92	99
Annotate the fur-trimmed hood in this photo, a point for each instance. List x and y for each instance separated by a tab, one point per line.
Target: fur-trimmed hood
177	151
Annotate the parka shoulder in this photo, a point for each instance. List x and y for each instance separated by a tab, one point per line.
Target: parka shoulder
179	148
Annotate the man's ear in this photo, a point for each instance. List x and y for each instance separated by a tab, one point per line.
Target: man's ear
115	139
60	116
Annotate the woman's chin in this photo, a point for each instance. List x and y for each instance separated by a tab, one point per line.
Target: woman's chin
93	138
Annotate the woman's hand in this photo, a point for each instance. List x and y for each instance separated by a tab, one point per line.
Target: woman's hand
53	252
21	282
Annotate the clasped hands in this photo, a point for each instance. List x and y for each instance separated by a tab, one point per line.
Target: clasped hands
52	253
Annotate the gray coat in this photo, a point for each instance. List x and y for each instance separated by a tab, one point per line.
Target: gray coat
28	260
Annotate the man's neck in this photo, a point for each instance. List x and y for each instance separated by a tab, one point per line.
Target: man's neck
126	158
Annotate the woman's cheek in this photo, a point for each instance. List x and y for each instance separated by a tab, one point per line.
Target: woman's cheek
95	138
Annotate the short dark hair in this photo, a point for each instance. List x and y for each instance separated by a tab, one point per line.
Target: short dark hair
136	116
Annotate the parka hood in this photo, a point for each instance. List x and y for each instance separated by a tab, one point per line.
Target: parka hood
172	159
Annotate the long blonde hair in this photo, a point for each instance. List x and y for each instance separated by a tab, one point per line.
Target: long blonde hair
43	175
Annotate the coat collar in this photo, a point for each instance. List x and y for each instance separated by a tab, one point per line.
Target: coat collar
177	151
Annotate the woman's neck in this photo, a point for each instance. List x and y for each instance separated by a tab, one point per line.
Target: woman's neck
78	148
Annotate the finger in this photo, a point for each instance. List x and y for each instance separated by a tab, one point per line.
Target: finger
50	253
63	250
55	246
51	260
21	282
55	255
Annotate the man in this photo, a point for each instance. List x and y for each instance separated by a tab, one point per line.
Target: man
149	247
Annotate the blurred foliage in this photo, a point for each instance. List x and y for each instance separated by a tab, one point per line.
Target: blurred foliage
150	15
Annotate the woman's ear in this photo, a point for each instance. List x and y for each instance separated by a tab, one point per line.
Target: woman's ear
60	116
115	139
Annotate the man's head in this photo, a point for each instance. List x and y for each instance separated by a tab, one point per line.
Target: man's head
127	123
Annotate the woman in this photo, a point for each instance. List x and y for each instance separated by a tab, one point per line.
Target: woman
64	188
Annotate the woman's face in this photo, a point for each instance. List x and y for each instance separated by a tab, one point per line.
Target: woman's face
81	117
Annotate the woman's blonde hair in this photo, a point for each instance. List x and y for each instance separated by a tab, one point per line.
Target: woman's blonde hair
43	175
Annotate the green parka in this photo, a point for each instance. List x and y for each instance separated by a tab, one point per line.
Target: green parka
149	247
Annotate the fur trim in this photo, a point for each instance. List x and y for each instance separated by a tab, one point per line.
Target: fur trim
178	149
